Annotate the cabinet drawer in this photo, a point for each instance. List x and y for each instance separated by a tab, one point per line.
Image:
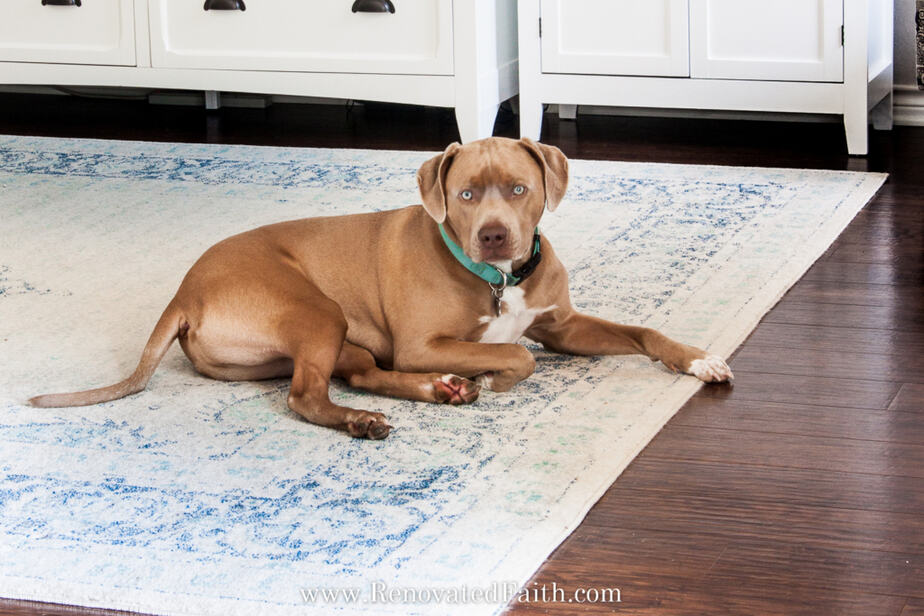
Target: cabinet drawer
616	37
783	40
304	35
96	32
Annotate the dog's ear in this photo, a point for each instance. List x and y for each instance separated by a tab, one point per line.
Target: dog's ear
431	180
554	170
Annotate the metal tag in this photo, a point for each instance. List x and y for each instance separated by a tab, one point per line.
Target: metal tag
497	303
498	292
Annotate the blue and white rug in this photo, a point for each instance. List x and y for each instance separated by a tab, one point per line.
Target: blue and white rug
205	497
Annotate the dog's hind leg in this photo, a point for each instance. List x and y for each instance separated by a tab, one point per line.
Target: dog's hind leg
314	353
357	367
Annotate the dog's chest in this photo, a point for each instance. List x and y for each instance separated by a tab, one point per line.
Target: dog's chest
515	318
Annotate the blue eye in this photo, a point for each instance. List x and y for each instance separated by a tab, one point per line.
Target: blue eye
466	195
519	189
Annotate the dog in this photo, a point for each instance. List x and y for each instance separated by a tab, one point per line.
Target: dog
425	302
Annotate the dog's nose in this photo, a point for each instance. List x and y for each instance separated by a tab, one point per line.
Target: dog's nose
492	237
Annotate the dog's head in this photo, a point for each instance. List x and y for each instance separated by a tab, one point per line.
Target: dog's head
490	194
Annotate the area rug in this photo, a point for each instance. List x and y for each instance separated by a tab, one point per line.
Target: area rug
205	497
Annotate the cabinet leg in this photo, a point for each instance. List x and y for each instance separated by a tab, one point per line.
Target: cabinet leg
530	119
212	100
476	122
882	114
567	112
856	127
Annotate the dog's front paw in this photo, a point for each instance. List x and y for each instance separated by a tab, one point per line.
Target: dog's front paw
452	389
711	369
369	425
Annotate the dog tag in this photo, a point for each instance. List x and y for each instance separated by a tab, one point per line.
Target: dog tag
498	292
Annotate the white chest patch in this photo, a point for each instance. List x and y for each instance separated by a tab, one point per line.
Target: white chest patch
514	320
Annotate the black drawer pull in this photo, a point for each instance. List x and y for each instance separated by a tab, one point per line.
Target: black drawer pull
224	5
373	6
61	2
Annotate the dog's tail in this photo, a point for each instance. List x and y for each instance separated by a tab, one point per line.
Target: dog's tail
165	332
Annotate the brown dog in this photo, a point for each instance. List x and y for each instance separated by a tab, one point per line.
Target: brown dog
382	301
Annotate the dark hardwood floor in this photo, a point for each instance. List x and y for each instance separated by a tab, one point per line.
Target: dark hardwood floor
800	490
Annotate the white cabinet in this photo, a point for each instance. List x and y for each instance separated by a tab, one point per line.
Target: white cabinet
299	35
783	40
802	56
445	53
623	37
88	33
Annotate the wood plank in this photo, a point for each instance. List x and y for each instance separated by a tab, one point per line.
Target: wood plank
906	254
809	567
884	226
899	192
857	294
834	339
802	312
715	596
785	388
914	607
822	363
781	486
868	273
890	426
738	520
677	442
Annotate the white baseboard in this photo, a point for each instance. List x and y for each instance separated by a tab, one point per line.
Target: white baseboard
908	107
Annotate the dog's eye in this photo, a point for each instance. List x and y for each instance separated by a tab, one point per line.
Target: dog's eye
466	195
519	189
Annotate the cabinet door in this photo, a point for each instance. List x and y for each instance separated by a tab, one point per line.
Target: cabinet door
616	37
782	40
304	35
96	32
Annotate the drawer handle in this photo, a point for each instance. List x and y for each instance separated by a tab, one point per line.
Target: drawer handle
373	6
224	5
61	2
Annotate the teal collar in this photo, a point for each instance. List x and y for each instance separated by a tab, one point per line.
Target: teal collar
488	272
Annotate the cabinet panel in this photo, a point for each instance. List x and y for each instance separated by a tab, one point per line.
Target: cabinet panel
304	35
615	37
97	32
783	40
